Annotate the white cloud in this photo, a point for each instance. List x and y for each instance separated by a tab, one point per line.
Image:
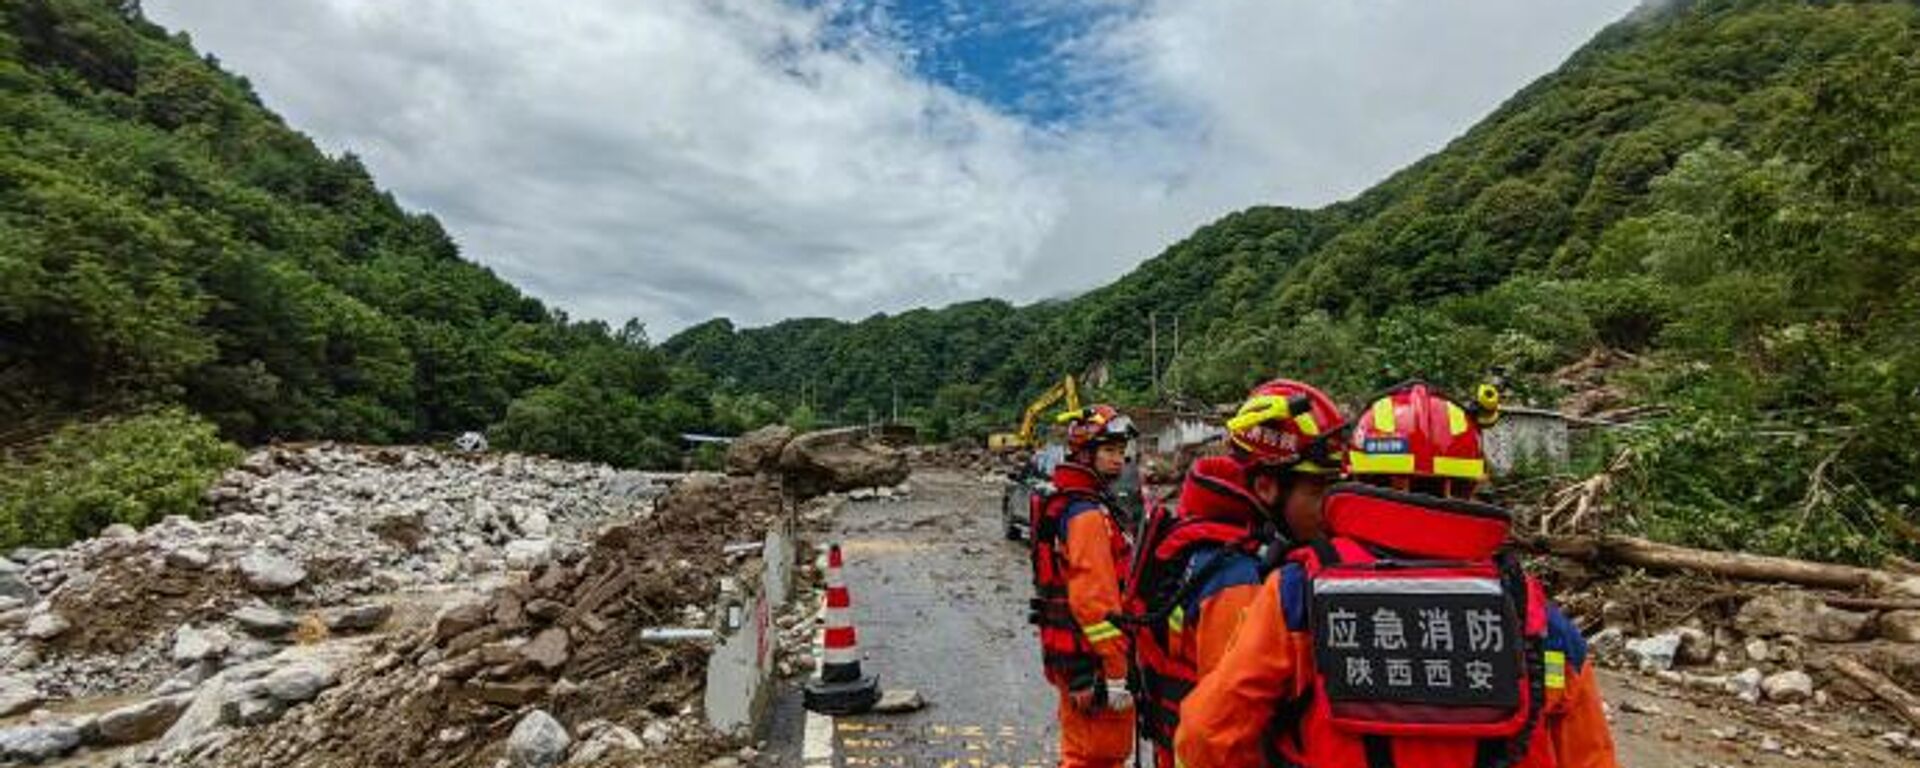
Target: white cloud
678	159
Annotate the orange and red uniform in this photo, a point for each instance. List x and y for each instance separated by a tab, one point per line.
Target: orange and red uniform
1096	551
1214	544
1259	707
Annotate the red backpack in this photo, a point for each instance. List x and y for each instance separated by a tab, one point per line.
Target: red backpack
1064	651
1428	640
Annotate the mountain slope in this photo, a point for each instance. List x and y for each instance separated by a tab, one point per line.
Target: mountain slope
166	239
1725	189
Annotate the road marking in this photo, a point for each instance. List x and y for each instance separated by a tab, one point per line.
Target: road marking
816	751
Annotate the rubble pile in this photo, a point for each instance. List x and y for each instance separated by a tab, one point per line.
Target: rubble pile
1770	652
238	618
543	666
961	455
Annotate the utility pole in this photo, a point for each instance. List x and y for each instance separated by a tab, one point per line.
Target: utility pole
1153	349
896	403
1176	343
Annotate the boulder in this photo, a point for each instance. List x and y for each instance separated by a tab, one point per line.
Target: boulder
839	460
758	451
299	682
538	741
47	625
603	741
13	582
1790	687
118	531
357	618
143	721
1746	685
527	554
18	694
1655	654
1799	613
1899	626
264	621
456	620
268	572
38	743
548	650
192	646
189	559
1696	646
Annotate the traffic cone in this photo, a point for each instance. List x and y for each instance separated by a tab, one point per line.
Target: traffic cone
840	688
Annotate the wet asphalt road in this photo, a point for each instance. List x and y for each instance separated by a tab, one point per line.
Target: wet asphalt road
939	602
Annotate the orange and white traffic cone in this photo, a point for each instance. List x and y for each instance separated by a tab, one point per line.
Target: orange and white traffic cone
841	688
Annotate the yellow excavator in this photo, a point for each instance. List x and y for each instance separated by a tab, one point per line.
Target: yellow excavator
1067	390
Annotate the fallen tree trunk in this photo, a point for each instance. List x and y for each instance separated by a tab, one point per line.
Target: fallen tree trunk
1628	550
1852	603
1905	704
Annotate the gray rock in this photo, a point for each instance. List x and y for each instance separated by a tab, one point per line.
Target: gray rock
253	708
1799	613
533	524
47	626
18	694
823	462
1746	685
1696	646
527	554
189	559
299	682
268	572
13	583
1757	649
192	646
1654	654
1899	626
264	621
1789	687
141	722
38	743
118	531
600	740
358	618
548	650
538	741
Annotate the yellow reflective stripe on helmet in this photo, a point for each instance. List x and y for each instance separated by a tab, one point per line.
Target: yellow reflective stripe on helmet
1308	426
1258	410
1380	463
1383	415
1456	419
1469	469
1556	669
1101	632
1177	621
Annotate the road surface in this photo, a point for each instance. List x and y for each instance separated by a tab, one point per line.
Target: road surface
939	599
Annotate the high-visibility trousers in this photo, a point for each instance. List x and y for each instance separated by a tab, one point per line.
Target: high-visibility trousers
1099	739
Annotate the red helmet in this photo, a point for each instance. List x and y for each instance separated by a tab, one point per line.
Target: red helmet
1093	425
1290	425
1414	431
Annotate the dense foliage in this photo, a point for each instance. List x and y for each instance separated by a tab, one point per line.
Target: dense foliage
135	470
1727	189
166	239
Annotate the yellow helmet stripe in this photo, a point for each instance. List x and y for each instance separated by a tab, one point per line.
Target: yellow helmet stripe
1380	463
1308	426
1383	415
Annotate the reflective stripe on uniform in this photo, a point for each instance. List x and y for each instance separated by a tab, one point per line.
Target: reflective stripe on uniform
1101	632
1556	669
1451	586
1177	621
1363	463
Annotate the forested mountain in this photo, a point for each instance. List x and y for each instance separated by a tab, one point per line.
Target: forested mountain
166	239
1726	190
172	253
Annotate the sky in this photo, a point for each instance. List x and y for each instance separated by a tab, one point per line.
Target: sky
679	160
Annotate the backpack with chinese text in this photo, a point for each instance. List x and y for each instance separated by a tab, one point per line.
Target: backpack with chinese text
1428	640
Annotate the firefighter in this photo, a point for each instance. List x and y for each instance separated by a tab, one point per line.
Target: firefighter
1407	637
1079	554
1285	444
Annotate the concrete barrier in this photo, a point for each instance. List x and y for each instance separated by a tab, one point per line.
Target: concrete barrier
740	668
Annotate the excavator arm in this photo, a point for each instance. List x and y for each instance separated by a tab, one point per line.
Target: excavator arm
1067	390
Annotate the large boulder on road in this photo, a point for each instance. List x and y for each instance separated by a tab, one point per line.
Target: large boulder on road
819	463
758	451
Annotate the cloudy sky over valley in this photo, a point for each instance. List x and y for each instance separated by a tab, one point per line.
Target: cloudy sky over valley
677	160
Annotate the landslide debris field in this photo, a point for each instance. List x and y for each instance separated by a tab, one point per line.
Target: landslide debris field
350	606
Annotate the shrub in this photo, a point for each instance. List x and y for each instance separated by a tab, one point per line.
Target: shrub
133	470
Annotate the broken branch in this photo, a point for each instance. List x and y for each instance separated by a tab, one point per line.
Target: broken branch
1652	555
1905	704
